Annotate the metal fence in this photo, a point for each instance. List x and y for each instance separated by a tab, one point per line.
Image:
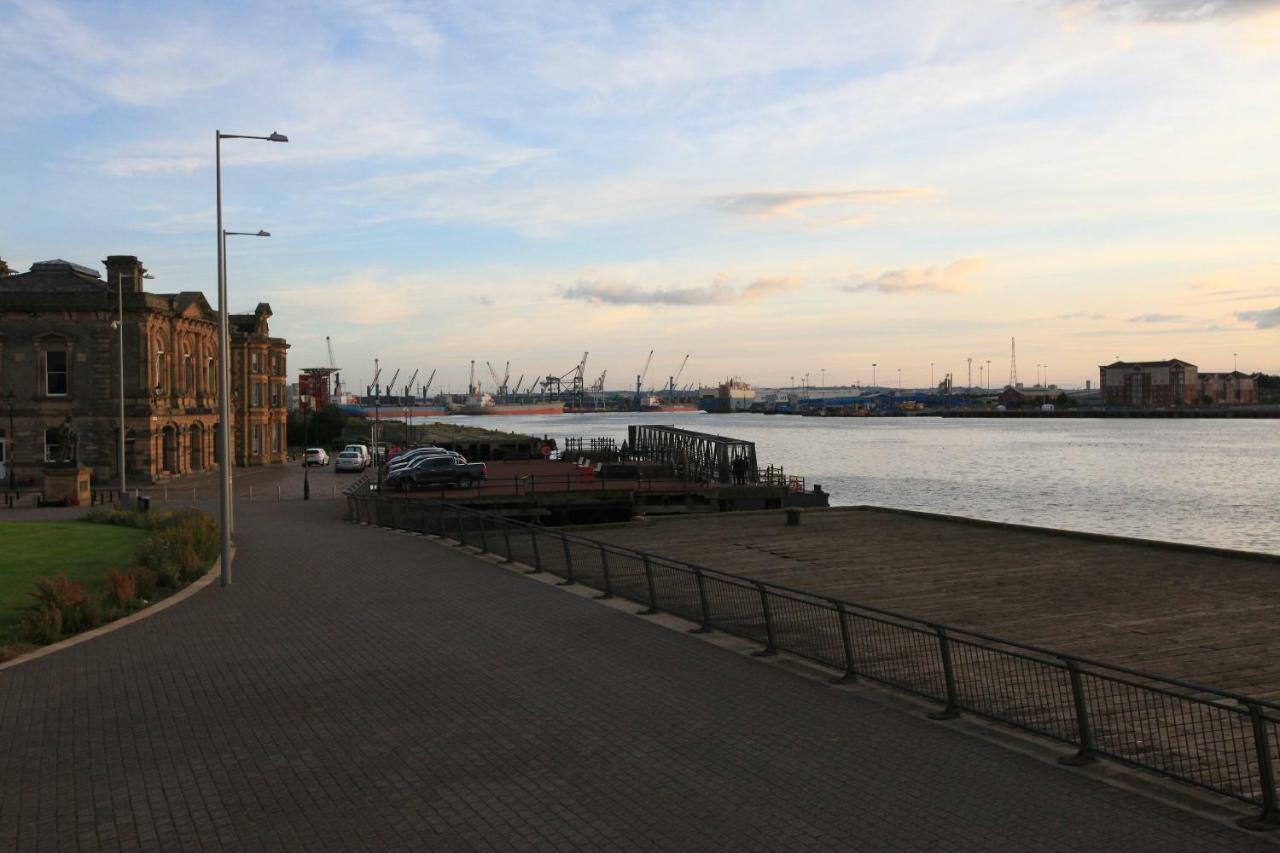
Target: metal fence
1213	739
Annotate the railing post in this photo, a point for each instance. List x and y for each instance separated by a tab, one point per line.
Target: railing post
846	641
771	648
457	514
1084	755
653	590
949	676
1270	817
604	566
506	538
484	538
705	627
537	555
568	562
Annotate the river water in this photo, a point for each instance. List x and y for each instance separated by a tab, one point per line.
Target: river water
1205	482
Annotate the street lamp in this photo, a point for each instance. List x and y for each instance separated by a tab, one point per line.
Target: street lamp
119	324
305	401
988	374
873	374
224	370
8	456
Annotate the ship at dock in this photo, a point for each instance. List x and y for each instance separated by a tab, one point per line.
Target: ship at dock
732	395
487	404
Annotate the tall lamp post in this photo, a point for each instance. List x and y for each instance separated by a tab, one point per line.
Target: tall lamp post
224	369
873	374
305	401
8	450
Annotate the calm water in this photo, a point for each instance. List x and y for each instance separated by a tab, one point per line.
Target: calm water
1200	481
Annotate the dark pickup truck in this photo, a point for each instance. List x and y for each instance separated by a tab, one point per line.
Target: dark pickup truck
437	471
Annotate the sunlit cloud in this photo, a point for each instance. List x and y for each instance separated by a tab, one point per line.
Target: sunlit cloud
952	278
1265	319
1171	10
768	204
717	293
1157	318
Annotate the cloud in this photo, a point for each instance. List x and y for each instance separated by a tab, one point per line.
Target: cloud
1171	10
1082	315
1265	319
717	293
952	278
770	204
1157	318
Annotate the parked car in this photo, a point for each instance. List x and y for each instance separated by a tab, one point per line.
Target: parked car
315	456
402	462
414	452
350	460
363	450
437	471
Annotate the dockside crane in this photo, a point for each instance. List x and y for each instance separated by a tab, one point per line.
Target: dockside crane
579	378
519	382
640	379
671	383
408	386
391	386
337	377
498	384
426	389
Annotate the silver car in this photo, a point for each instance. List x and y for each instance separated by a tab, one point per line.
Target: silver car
349	460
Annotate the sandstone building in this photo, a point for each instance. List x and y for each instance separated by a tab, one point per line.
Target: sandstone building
59	352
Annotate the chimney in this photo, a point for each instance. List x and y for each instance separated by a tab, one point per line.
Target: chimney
127	266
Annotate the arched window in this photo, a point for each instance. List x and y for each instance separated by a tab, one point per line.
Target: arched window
161	376
210	371
188	370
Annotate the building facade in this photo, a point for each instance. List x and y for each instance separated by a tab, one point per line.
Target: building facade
59	354
1150	384
258	365
1228	389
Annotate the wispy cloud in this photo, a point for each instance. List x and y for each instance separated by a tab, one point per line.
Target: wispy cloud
717	293
1157	318
1081	315
768	204
1266	319
1171	10
952	278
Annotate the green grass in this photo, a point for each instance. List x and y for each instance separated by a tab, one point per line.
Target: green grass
83	552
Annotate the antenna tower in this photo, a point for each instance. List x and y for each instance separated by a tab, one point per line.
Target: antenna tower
1013	362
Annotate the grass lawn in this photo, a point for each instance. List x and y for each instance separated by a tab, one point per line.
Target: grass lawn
83	552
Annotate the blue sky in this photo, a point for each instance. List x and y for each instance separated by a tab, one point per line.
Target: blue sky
773	188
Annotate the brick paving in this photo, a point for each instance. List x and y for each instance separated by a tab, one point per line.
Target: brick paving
363	690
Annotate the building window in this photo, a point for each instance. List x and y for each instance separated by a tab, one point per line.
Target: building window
255	364
161	374
257	440
188	371
257	393
275	439
210	377
275	394
51	445
55	373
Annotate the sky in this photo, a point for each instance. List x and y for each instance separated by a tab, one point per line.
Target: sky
774	189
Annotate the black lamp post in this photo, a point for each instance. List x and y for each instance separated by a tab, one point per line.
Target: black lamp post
8	456
306	467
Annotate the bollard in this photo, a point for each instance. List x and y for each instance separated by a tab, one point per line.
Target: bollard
251	494
277	494
793	516
334	491
193	494
166	494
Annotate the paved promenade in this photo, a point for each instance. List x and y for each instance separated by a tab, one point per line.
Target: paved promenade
363	690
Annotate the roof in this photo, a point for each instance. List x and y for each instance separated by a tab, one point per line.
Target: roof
54	276
1166	363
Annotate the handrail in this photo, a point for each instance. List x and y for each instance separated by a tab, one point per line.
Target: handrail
1230	748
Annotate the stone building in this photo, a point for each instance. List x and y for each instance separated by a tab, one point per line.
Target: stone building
1150	384
1225	389
258	378
59	351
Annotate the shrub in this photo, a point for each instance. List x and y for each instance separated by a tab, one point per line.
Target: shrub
77	610
145	583
122	588
40	625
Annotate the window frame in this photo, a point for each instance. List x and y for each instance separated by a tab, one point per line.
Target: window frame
65	372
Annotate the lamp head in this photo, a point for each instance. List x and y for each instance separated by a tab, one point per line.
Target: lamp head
277	137
264	233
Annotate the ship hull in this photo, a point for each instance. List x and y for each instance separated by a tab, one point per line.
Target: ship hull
512	409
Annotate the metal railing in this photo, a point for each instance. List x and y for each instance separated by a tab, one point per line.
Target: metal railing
1213	739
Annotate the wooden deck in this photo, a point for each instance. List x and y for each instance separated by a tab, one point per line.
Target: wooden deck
1206	617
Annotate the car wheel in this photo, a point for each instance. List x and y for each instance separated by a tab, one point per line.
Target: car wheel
464	482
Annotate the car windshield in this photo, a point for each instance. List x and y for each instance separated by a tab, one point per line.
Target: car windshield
314	451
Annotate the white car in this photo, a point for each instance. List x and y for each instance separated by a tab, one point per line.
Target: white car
315	456
361	449
349	460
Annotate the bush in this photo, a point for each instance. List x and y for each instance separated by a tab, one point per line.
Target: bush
122	589
145	581
40	625
77	610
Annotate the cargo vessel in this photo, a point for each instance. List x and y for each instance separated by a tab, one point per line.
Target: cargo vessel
485	404
732	395
653	403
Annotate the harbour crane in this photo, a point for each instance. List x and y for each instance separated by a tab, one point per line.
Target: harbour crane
427	388
519	382
391	386
671	384
597	387
497	383
408	386
640	378
372	390
337	377
579	378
